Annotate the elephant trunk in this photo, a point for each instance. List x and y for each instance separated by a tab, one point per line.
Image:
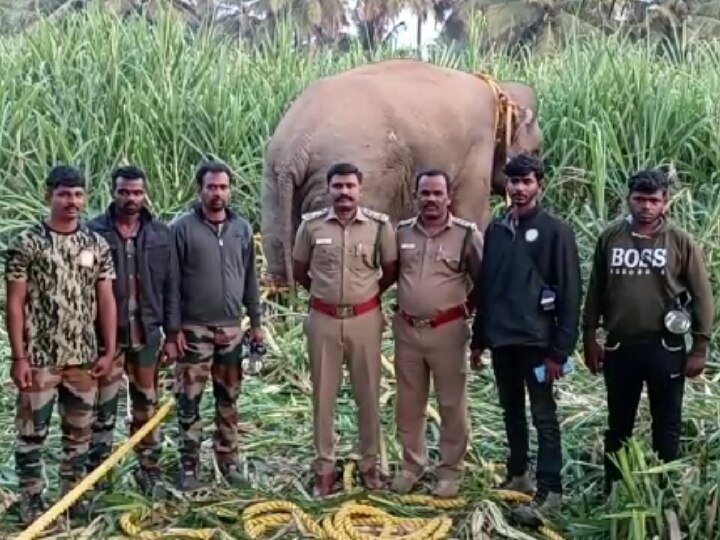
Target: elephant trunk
276	229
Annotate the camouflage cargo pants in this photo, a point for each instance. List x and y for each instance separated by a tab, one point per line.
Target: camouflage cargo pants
216	351
141	367
75	390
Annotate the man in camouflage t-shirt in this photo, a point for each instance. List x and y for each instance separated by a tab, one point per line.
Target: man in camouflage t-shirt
59	287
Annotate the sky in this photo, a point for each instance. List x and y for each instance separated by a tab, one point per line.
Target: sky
406	36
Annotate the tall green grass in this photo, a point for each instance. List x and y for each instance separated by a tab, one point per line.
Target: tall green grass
97	90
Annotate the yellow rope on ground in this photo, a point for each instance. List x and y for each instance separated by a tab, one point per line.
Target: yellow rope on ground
34	530
263	517
133	530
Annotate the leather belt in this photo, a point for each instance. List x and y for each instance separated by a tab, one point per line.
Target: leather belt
344	311
441	318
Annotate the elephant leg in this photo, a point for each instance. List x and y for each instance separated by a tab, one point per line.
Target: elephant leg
471	190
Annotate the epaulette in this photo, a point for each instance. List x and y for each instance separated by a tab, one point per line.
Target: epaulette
378	216
407	222
314	215
464	223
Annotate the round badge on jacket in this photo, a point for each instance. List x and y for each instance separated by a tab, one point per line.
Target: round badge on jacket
531	235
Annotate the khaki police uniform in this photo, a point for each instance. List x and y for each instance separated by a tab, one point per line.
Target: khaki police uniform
345	321
436	273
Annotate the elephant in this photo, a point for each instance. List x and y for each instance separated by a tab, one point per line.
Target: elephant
392	119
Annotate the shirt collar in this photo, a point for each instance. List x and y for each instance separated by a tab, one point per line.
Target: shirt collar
447	225
359	215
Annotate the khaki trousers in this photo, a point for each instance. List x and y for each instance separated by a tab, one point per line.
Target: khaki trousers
331	341
440	353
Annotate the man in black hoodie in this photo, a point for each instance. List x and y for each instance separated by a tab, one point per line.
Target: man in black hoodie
148	305
528	305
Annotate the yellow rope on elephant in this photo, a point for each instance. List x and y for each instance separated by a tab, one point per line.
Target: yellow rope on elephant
506	112
506	115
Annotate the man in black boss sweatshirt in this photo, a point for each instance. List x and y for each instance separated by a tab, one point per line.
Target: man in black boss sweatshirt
528	308
643	264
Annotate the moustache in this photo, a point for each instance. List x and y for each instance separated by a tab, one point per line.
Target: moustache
343	198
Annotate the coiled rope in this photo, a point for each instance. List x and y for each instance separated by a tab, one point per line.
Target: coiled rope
353	520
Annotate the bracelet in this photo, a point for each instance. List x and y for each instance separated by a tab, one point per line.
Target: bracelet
18	358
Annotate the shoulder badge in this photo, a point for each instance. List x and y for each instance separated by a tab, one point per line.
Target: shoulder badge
464	223
314	215
378	216
407	222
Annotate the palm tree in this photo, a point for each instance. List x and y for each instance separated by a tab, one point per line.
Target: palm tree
542	24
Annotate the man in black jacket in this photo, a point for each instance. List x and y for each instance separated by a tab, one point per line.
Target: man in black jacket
148	304
218	287
528	305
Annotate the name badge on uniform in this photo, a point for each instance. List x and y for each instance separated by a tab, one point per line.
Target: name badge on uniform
323	241
86	258
407	246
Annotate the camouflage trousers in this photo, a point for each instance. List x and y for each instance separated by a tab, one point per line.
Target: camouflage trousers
141	367
212	351
75	390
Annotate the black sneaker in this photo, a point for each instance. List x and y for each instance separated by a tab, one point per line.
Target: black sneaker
232	476
189	475
544	504
151	482
522	484
31	507
80	508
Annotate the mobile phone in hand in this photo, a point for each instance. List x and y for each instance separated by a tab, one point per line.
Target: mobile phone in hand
540	370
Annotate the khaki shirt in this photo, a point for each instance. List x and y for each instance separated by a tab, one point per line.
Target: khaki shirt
431	278
342	266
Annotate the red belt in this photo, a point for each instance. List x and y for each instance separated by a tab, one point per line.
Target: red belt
344	311
441	318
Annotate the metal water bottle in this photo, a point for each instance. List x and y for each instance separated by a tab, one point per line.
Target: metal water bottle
253	363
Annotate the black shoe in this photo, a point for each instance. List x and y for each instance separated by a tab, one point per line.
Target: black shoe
31	507
543	505
189	474
232	476
80	508
104	484
150	482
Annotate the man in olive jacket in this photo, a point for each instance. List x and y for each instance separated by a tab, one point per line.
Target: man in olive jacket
649	291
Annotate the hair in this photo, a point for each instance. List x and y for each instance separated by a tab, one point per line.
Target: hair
211	166
433	172
523	165
64	176
127	172
649	181
343	169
